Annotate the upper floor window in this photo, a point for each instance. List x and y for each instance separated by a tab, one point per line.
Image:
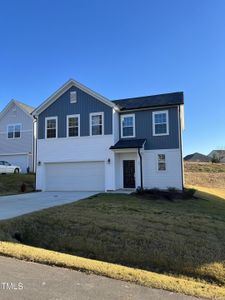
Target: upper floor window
128	125
161	162
73	125
96	123
73	97
51	127
160	123
14	131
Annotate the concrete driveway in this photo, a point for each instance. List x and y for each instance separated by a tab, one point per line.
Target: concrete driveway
16	205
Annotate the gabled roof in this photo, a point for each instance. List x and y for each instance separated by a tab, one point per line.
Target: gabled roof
168	99
131	143
64	88
26	108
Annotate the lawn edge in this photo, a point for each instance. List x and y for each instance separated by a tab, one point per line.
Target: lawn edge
145	278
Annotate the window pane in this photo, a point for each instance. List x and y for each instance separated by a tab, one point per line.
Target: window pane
10	135
161	157
51	123
97	120
17	131
162	167
160	128
128	131
160	118
73	131
128	121
51	133
97	130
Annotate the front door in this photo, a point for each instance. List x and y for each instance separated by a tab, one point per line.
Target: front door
129	174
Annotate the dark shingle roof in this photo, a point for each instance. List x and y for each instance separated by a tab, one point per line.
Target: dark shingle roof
151	101
133	143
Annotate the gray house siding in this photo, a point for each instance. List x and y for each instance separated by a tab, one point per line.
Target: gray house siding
85	105
143	129
24	144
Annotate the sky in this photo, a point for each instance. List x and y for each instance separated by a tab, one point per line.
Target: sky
120	48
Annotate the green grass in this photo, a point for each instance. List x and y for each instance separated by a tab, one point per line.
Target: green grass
11	183
182	237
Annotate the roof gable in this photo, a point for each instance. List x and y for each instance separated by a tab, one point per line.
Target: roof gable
64	88
26	108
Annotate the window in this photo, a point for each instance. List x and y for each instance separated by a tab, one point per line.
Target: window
51	127
14	131
73	97
96	123
161	162
128	126
160	123
73	125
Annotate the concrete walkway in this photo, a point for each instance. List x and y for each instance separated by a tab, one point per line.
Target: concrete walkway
25	280
16	205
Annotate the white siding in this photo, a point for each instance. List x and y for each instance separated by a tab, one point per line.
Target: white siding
72	150
153	178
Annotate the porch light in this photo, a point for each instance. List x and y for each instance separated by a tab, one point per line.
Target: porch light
108	160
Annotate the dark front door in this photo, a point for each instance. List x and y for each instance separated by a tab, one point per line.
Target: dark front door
128	174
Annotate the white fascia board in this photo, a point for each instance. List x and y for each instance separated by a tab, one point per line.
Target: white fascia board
64	88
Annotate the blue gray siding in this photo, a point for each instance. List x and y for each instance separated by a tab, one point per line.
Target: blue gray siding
143	128
85	105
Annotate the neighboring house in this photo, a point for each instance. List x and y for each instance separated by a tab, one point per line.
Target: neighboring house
218	154
17	135
197	157
86	142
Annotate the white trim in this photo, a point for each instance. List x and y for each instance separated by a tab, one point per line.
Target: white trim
67	125
64	88
167	122
51	118
14	125
12	154
121	125
90	123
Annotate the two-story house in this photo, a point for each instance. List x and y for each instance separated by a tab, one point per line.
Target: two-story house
17	135
87	142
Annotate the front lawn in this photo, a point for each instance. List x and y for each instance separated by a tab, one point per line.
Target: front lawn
183	237
10	184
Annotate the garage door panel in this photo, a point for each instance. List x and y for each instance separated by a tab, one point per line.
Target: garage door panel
78	176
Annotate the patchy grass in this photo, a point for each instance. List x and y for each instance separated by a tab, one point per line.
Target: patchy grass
196	167
180	237
182	285
11	183
207	175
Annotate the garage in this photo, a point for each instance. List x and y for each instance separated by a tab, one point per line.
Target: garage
21	160
75	176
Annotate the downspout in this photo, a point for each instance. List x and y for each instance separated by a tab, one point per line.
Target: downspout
181	148
139	153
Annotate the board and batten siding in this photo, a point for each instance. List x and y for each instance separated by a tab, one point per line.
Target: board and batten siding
144	129
85	105
16	115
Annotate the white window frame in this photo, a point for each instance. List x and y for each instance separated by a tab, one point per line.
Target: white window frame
73	101
158	161
154	124
67	125
14	125
90	123
56	124
122	117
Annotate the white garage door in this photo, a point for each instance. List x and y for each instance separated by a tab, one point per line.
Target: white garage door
78	176
19	160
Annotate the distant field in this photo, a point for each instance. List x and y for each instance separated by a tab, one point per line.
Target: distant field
205	174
